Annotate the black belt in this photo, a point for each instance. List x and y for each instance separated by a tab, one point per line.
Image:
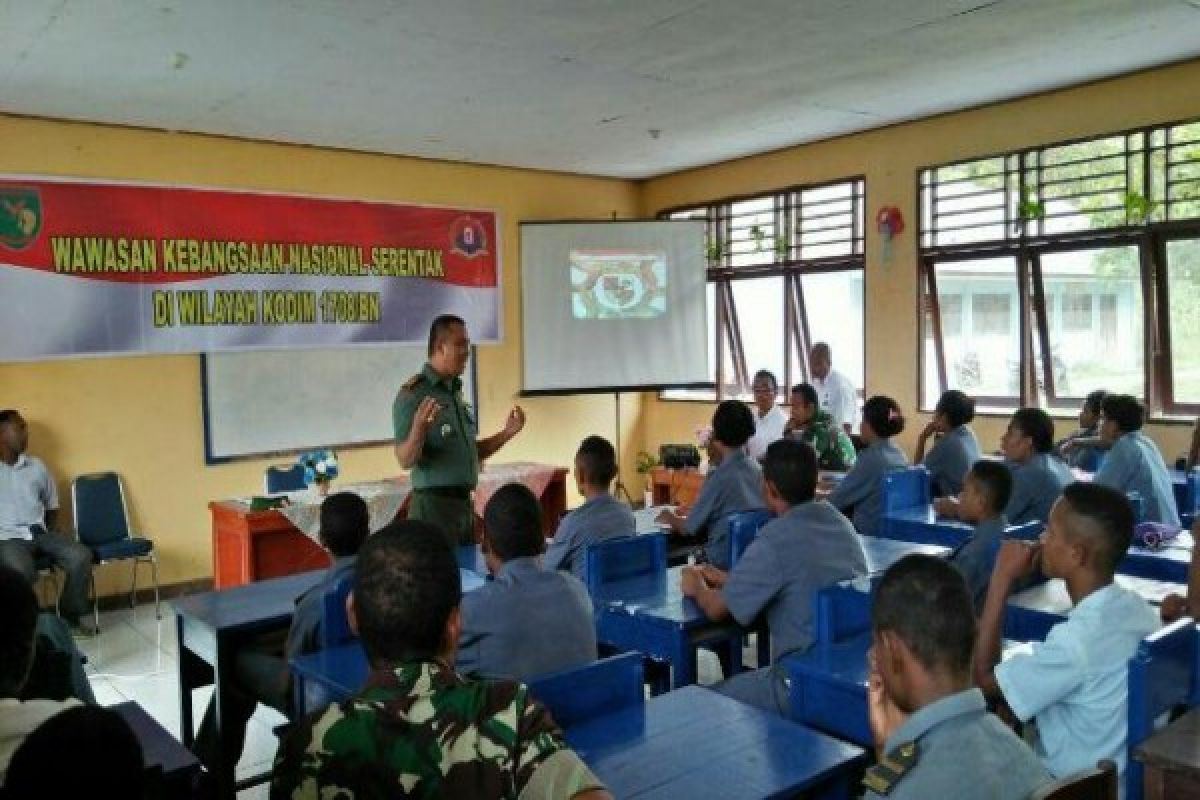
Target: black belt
457	492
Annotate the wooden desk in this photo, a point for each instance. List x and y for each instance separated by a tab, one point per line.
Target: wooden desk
675	487
1172	759
250	545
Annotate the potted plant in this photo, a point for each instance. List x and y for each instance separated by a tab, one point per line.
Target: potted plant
645	464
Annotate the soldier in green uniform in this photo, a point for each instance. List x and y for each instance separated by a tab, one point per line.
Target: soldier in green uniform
815	427
418	728
436	434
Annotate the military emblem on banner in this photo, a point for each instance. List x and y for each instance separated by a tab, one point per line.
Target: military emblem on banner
467	237
20	216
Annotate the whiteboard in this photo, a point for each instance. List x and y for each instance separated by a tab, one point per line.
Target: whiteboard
280	401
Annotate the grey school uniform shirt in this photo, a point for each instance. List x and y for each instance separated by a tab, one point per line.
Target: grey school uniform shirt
599	519
735	485
950	458
954	748
1134	464
1036	485
529	621
861	487
976	557
808	548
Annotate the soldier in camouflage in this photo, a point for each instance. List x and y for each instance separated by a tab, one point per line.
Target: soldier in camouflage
418	729
810	424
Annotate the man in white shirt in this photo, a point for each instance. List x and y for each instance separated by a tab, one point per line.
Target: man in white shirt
837	394
28	513
769	419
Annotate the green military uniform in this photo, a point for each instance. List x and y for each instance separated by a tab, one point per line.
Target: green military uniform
834	449
422	730
448	469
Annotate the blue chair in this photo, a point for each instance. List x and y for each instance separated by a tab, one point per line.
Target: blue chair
335	624
743	527
102	524
1189	509
1139	506
910	487
842	611
624	559
1029	532
284	479
1161	676
583	693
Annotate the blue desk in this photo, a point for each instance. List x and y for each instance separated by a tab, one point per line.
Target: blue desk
1169	563
882	552
1034	611
210	627
921	524
696	743
169	766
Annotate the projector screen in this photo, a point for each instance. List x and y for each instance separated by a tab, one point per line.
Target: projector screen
613	306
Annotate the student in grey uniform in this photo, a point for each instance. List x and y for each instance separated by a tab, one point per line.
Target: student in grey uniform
1083	448
983	498
860	492
600	518
1134	463
529	620
1039	477
734	483
955	448
933	733
808	546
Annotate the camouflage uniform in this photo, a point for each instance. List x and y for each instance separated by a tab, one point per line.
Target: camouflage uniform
424	731
834	449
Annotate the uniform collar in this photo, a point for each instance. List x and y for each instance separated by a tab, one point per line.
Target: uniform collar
22	461
969	701
519	566
734	455
435	377
605	497
414	678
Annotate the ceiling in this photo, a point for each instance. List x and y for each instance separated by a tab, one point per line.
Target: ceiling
625	88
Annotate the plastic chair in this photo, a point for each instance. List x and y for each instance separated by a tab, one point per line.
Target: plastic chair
1191	499
1160	678
910	487
1138	503
1030	531
1099	783
583	693
335	624
743	527
284	479
624	559
102	524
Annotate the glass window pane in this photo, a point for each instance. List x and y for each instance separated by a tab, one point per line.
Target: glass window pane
759	304
1183	289
834	304
980	332
1096	338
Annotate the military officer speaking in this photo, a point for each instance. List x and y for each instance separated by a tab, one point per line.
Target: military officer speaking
435	434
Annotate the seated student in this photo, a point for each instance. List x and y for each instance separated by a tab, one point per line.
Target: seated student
1134	463
769	418
808	546
530	620
29	523
1175	606
734	483
809	423
261	673
600	518
956	448
417	723
1038	476
981	503
1074	683
19	718
1083	448
860	489
934	735
84	751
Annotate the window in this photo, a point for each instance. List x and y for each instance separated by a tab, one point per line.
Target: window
785	270
1077	230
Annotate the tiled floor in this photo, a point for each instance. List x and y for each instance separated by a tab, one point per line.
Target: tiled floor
135	657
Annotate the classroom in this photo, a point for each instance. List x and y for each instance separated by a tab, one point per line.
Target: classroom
902	110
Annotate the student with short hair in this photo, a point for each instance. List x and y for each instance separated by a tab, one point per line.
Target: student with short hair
934	735
811	424
807	546
955	447
769	418
601	517
982	500
1134	463
859	492
529	620
19	718
418	724
1038	476
1083	448
734	483
1074	684
261	673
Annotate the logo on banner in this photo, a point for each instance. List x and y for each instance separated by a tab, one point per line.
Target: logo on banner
20	216
468	238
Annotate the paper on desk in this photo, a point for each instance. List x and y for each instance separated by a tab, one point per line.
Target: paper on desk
645	519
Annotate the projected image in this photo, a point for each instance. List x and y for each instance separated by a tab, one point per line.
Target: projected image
618	284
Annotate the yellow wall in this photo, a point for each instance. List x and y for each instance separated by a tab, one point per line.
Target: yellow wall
142	415
889	157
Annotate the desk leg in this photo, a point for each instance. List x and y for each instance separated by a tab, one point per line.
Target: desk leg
683	661
224	774
187	670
